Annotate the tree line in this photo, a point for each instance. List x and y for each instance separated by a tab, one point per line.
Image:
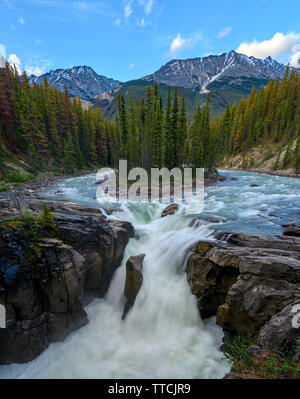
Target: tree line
52	131
55	132
269	115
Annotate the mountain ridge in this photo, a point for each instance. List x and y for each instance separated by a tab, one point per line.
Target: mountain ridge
199	73
228	77
81	81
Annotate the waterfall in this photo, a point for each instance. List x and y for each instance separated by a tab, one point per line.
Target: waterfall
163	335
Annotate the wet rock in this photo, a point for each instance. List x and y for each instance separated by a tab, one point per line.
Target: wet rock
292	231
45	286
234	179
254	185
134	281
170	210
206	219
213	178
288	225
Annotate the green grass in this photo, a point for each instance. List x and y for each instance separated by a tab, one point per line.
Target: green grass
275	365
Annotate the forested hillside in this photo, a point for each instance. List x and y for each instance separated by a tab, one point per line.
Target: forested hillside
47	131
264	129
42	129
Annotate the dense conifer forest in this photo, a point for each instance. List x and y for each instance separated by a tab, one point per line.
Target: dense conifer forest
268	116
51	131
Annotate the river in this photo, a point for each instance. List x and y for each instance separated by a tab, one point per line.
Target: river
163	336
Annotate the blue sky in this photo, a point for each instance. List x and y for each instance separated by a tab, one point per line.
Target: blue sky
127	39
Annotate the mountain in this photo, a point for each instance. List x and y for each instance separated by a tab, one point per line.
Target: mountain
229	69
81	81
227	77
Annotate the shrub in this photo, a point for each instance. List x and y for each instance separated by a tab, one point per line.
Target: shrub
17	177
47	221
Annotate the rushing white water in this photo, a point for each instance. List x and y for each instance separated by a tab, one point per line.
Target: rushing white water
163	335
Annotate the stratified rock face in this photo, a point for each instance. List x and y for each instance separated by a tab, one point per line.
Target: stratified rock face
209	279
134	281
45	287
81	81
228	69
251	283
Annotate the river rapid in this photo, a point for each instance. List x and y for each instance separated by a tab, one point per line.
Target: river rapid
163	336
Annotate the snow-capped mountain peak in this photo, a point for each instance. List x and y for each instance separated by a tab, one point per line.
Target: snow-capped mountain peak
230	68
81	81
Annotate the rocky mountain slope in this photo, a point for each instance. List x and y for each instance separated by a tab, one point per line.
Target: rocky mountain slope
227	77
81	81
228	69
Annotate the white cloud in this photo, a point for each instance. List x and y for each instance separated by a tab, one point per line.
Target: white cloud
21	20
2	51
141	23
34	70
80	5
179	43
15	61
224	32
295	60
296	48
148	5
277	45
127	8
118	22
131	66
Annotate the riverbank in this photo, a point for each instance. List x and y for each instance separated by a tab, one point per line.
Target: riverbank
281	173
264	159
33	188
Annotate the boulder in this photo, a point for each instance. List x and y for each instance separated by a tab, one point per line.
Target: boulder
280	331
254	185
292	231
134	281
170	210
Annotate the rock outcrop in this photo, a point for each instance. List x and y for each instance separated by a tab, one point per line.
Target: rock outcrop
45	284
292	231
170	210
134	281
251	283
206	219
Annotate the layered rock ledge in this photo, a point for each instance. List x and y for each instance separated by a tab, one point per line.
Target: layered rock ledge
45	286
251	284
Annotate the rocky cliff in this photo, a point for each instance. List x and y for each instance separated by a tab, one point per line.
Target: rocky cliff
252	285
46	280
